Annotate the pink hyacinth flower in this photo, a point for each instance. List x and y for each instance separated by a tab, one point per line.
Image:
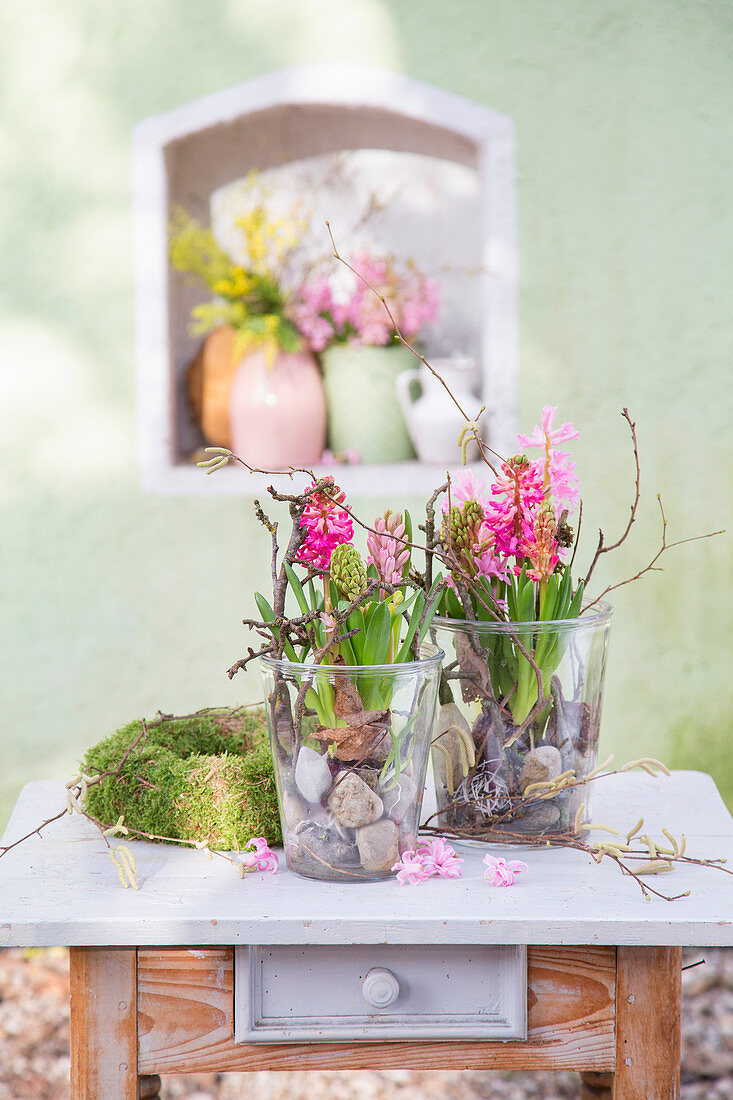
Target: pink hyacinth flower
499	872
386	548
262	858
326	527
558	469
438	858
564	483
547	436
518	494
465	486
410	869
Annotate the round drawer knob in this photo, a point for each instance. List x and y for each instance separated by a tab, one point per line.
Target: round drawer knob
380	988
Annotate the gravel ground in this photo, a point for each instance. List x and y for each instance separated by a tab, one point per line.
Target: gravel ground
34	1049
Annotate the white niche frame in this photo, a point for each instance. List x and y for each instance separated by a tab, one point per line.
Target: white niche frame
182	156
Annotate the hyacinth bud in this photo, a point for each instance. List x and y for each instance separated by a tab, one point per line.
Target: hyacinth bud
348	571
386	549
461	526
542	550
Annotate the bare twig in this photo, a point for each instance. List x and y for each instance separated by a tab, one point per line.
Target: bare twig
652	566
602	548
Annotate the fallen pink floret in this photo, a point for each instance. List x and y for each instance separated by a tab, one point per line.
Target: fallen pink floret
438	858
501	872
262	858
410	870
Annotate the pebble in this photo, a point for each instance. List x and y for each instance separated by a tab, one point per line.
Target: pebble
535	819
399	801
313	842
378	845
540	765
293	809
353	803
370	776
312	774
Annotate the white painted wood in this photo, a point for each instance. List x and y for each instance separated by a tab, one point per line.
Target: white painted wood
287	993
194	152
64	889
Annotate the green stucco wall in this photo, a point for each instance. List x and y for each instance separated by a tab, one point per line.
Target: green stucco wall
116	602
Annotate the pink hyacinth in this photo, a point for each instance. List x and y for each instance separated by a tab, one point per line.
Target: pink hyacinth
547	436
385	549
487	561
413	299
558	469
517	496
261	858
564	483
438	858
312	313
541	549
499	872
464	486
326	526
410	869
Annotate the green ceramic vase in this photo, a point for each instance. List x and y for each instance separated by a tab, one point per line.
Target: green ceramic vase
363	411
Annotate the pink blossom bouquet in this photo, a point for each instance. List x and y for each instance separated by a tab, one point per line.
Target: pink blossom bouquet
360	319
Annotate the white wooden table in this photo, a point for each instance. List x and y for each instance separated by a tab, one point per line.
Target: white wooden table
603	965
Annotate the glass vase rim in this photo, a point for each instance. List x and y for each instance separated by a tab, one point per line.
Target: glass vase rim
599	617
434	659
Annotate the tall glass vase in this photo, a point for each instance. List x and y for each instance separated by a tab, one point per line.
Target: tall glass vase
350	746
516	733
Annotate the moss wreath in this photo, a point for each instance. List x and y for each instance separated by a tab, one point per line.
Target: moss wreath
207	776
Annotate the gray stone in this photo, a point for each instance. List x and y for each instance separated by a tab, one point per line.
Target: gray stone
370	776
378	847
293	809
353	803
399	801
312	774
541	765
322	847
535	820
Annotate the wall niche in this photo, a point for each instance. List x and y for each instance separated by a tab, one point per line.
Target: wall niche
434	171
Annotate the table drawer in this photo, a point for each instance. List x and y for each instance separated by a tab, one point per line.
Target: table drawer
295	993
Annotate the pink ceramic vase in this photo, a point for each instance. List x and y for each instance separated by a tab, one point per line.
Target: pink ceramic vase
277	410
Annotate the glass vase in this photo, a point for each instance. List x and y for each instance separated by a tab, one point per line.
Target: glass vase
350	746
517	725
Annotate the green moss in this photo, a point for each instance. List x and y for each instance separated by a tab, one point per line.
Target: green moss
205	777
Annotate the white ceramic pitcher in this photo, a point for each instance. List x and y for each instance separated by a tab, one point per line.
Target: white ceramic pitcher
433	421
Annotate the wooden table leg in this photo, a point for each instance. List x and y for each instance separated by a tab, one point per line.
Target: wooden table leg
103	1023
648	1007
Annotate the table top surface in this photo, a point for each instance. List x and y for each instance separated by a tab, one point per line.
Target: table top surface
62	887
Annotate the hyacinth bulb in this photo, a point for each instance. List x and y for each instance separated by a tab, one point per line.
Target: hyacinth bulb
348	571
